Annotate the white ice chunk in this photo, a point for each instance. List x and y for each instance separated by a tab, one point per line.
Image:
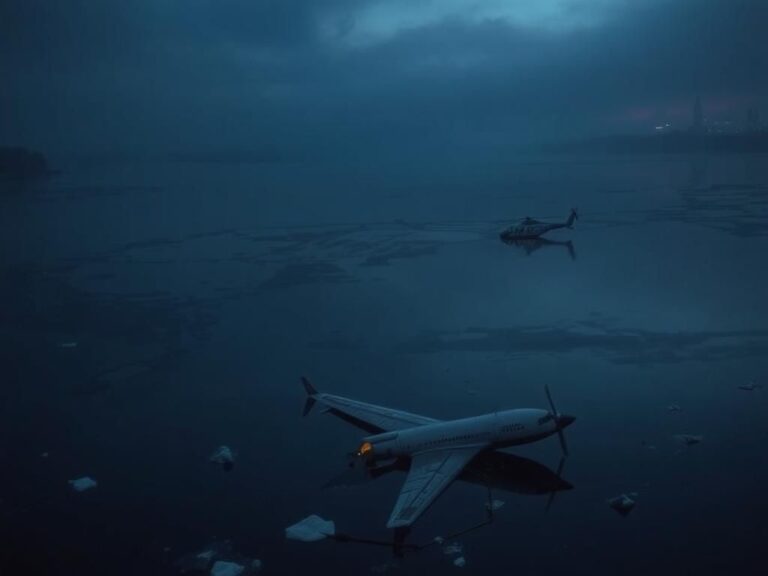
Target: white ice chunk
224	457
83	484
623	504
460	562
439	540
453	548
494	505
674	408
311	529
222	568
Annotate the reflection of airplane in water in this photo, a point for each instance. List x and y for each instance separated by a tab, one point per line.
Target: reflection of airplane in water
436	453
494	470
531	228
530	245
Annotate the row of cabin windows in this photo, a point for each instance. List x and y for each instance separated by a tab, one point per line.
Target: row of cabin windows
454	439
512	427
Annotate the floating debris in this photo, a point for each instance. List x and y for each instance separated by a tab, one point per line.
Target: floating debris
674	408
44	455
224	568
224	457
689	439
311	529
623	504
494	505
438	540
453	548
83	484
72	344
256	565
460	562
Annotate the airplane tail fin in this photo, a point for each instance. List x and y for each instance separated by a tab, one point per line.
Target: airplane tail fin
311	391
573	216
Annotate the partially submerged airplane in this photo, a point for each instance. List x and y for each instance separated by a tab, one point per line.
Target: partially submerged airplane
531	228
438	451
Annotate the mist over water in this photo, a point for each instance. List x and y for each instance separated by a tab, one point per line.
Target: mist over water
197	294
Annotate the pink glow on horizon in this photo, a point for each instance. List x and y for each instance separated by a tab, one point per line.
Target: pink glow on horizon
679	112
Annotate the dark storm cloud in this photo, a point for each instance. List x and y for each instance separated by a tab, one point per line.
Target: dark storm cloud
181	76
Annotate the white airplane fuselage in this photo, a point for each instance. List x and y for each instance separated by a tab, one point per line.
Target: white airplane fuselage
436	452
495	430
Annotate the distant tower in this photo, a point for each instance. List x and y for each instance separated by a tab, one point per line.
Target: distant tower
698	117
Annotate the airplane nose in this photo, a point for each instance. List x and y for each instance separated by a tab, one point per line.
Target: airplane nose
564	420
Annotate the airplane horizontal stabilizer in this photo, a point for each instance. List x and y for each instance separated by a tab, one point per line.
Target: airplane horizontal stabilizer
311	392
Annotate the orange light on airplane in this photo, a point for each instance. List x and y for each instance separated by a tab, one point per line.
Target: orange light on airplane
366	448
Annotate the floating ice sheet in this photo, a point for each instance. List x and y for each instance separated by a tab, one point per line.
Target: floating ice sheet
311	529
83	484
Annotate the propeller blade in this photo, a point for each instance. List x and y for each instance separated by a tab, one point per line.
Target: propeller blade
552	494
550	500
551	402
560	467
556	414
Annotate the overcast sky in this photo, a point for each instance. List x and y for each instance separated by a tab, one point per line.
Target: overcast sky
117	77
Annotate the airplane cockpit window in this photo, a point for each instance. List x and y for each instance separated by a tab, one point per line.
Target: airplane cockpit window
545	419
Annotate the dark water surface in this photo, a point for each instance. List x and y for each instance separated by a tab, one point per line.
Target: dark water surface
197	294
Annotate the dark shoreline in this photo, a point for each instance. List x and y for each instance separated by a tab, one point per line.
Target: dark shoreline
17	163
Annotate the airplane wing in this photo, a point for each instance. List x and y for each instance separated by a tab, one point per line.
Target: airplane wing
369	417
430	474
